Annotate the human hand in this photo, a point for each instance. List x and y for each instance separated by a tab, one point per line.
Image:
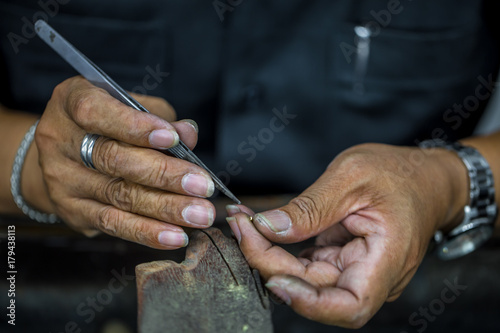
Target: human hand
137	193
373	213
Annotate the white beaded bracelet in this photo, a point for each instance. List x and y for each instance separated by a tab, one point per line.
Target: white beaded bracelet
15	181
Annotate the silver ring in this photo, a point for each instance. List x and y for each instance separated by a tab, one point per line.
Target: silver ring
87	148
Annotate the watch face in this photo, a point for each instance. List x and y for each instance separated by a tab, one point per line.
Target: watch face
465	243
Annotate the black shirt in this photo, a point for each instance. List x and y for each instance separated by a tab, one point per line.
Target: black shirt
278	87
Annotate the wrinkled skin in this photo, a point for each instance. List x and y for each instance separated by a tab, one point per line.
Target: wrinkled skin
373	212
137	193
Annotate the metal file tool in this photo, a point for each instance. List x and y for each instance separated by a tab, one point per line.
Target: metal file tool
100	79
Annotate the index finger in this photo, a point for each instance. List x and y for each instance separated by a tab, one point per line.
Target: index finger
157	106
94	110
271	260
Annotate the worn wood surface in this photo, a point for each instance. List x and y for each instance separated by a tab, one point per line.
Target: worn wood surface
212	290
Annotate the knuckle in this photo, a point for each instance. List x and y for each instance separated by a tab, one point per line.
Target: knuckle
60	90
353	163
165	208
120	194
107	220
110	219
308	208
161	174
107	156
80	106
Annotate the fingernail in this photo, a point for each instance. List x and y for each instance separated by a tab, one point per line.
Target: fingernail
197	184
279	292
276	220
173	238
232	210
164	138
192	123
198	215
234	227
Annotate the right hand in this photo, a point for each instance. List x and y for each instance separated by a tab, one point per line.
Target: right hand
137	193
372	219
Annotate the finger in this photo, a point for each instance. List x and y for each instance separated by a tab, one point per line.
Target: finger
328	305
272	260
146	201
360	290
325	203
95	111
157	106
151	168
188	132
128	226
328	254
235	209
164	110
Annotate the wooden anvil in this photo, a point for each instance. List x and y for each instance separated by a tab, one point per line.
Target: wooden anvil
212	290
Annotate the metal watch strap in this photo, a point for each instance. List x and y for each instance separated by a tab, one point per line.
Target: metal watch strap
482	208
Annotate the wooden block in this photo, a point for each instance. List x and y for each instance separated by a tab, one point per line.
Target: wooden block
212	290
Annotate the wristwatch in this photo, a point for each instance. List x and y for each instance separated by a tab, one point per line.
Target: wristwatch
481	212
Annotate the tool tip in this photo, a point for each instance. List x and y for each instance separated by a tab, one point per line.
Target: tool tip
238	202
233	197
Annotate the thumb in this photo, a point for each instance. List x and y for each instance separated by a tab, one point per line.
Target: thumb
313	211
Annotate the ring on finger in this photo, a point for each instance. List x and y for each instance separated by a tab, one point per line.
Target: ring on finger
87	148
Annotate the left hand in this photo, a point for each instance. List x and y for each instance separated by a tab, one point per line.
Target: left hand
374	212
136	193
